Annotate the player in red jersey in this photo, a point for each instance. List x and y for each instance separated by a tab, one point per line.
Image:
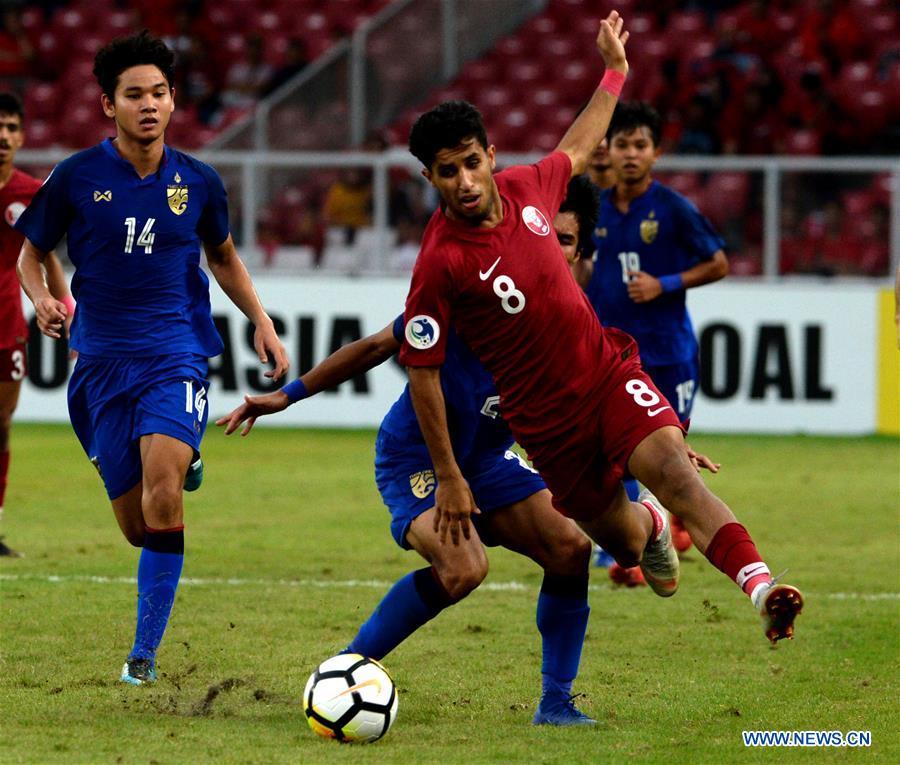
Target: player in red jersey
572	392
16	191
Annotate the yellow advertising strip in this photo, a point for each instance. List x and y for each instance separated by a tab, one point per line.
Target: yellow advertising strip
888	366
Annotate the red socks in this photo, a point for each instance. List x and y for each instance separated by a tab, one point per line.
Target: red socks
732	551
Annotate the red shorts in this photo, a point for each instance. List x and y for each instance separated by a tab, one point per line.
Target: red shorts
13	363
583	468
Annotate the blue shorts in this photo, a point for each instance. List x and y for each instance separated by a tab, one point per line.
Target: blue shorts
679	383
113	402
405	478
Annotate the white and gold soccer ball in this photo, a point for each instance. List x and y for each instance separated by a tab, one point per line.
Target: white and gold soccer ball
350	698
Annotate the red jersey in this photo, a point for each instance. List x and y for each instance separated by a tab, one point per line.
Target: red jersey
15	196
509	294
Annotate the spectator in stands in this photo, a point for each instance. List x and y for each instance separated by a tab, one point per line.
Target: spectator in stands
197	85
246	79
348	203
698	135
295	61
750	125
16	52
831	34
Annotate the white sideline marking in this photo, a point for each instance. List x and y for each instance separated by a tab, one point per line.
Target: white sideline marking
347	584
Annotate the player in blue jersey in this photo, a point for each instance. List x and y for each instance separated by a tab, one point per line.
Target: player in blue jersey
652	245
516	511
136	213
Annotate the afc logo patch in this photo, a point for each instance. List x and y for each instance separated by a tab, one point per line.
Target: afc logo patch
422	332
535	221
422	483
12	212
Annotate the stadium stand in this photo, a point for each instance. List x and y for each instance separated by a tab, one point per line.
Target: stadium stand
748	77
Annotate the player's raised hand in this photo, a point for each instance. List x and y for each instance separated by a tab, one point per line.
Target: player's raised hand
253	407
266	342
611	41
453	506
51	316
642	287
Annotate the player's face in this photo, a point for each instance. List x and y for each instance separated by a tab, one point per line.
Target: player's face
599	168
142	105
566	226
632	155
463	176
11	137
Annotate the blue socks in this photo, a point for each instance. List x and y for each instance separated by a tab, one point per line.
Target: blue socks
632	488
562	617
415	599
159	570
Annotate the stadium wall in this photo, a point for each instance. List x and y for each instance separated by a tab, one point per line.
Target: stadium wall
777	358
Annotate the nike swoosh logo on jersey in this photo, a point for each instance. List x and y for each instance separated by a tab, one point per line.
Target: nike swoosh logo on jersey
654	412
484	275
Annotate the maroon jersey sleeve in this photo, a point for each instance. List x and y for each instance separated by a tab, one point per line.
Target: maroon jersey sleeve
551	177
428	307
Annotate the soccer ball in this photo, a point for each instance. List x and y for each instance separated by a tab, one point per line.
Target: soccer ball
350	698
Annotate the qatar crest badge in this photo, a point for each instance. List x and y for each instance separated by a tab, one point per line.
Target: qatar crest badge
535	221
422	332
177	196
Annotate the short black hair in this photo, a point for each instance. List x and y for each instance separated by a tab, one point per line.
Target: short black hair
445	126
10	103
125	52
631	115
582	198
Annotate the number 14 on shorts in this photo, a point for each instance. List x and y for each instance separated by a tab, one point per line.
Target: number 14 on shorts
194	401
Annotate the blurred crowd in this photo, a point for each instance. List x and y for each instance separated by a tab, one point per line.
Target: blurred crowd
744	77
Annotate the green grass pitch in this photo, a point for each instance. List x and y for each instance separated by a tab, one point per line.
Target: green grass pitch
288	550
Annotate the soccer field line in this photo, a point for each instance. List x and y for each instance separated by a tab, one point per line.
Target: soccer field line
376	584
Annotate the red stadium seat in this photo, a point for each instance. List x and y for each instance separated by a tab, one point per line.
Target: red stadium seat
802	143
725	196
857	203
41	134
686	24
512	47
42	101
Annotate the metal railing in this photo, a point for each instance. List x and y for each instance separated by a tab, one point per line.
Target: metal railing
247	171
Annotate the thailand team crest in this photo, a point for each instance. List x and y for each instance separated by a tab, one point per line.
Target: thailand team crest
535	221
422	332
11	214
422	483
177	196
649	229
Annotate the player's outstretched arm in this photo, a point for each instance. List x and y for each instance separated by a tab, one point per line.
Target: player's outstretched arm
51	313
589	128
342	365
643	287
453	500
231	274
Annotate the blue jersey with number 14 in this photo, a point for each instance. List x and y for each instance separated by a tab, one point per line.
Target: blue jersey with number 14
662	233
135	243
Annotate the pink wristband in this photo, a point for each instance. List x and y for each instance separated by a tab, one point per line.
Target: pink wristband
612	82
69	302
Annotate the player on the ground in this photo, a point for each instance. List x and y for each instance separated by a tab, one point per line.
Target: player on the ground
136	213
573	393
517	511
652	245
16	190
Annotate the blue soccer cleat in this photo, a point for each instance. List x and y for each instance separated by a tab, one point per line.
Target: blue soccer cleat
138	672
194	476
560	712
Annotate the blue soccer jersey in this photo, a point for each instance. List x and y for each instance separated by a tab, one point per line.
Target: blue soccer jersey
135	243
472	403
662	233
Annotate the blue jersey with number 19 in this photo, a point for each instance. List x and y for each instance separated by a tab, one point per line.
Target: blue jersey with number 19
662	233
135	243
